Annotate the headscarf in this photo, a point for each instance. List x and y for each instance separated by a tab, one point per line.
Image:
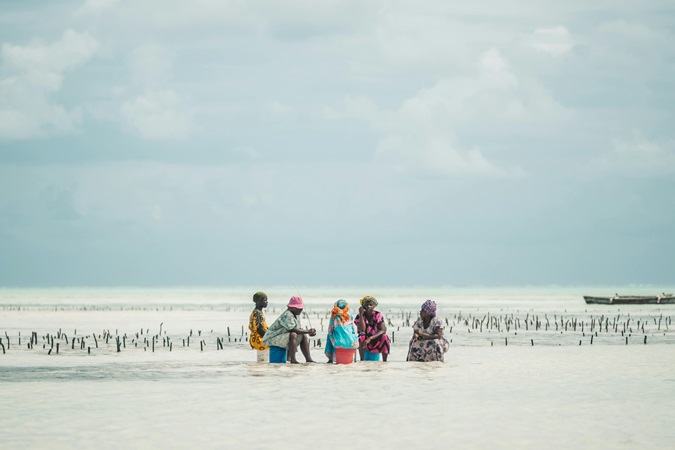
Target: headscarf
341	310
429	307
259	296
366	298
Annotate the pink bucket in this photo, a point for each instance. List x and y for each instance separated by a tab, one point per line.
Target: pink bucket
345	355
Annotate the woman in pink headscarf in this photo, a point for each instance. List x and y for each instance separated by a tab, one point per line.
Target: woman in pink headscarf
286	333
428	342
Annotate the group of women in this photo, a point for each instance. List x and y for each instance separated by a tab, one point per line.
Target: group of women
366	332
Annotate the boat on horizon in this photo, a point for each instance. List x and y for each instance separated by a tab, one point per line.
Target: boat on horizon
616	299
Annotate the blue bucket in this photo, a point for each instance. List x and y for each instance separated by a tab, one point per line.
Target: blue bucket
277	355
368	356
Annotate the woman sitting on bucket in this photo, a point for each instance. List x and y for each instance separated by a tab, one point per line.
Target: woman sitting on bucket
372	331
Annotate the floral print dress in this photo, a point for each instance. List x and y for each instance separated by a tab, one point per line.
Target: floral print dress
427	349
255	321
279	332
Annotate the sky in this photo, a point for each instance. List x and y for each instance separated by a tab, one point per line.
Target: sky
397	143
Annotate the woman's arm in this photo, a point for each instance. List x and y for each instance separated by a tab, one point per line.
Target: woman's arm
437	334
361	325
381	329
260	329
311	331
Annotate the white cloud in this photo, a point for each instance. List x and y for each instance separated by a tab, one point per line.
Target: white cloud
406	39
278	112
361	108
276	107
158	115
173	14
150	63
95	6
37	71
157	213
435	155
70	51
421	134
636	155
285	19
555	41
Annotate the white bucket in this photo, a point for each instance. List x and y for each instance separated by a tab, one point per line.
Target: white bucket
263	356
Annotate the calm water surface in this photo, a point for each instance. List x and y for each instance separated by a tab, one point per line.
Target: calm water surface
556	393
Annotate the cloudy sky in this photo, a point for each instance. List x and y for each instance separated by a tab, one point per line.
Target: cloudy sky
231	142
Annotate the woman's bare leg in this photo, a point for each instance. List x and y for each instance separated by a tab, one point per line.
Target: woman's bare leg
304	346
292	347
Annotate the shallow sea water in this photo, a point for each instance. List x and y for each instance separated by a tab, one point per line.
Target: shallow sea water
555	393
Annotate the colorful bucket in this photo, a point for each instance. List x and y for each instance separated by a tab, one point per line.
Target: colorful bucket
277	355
344	355
368	356
263	356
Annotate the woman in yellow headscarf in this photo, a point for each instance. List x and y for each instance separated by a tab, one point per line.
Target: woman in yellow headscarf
372	331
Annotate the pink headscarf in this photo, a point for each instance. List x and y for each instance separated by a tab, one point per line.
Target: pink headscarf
430	307
296	302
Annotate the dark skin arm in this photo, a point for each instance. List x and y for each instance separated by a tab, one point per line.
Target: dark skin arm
382	328
437	334
362	323
311	331
261	330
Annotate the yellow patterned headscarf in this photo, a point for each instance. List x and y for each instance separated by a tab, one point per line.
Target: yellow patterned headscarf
366	298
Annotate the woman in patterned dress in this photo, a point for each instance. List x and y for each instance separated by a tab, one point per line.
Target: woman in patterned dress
428	342
372	329
341	330
256	322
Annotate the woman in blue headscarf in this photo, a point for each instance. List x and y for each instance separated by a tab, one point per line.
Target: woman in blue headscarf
341	330
428	342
